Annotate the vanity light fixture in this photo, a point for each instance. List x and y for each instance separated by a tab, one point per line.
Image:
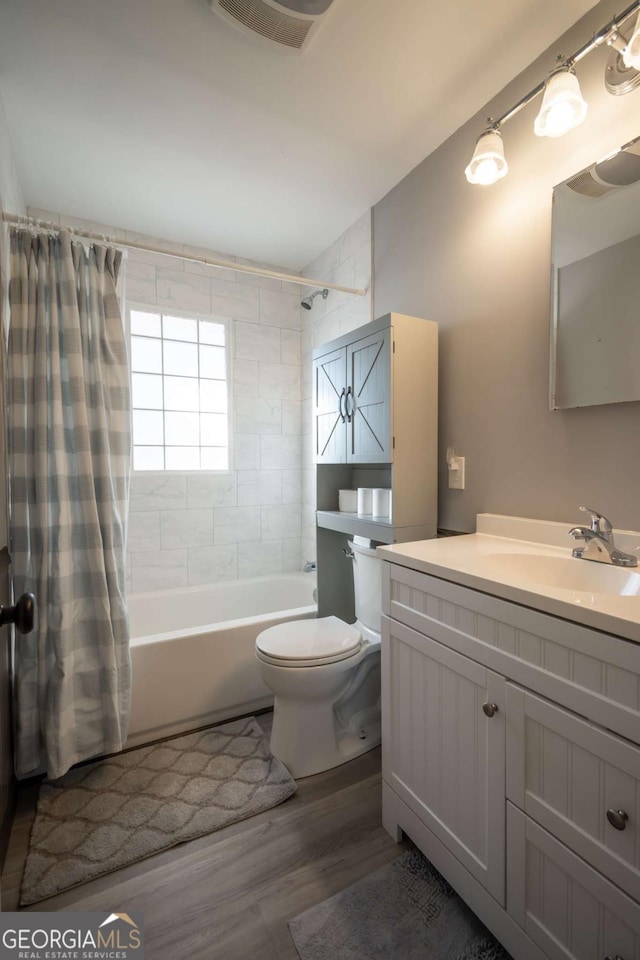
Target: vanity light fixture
563	106
631	54
487	163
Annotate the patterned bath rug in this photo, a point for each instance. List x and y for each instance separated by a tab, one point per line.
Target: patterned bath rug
404	911
111	813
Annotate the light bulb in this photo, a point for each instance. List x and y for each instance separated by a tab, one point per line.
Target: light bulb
631	54
487	163
563	106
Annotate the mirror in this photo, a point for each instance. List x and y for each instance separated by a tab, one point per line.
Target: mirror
595	283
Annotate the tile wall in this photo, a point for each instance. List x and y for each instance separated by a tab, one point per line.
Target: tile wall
346	262
192	528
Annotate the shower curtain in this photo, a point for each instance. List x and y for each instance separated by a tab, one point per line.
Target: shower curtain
69	461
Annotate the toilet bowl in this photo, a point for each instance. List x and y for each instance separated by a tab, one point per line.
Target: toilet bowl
325	677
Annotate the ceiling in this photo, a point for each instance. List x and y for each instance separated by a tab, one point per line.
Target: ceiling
157	116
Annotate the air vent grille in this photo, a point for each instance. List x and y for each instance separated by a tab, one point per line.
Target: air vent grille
585	184
269	22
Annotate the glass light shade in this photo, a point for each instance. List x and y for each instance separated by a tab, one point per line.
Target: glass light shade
563	106
631	55
487	163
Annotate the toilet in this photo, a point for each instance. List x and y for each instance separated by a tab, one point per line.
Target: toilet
325	677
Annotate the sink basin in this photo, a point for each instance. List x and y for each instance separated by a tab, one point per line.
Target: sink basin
565	573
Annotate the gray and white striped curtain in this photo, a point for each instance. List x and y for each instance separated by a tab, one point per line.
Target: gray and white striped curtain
69	461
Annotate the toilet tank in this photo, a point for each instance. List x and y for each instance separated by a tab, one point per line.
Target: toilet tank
367	585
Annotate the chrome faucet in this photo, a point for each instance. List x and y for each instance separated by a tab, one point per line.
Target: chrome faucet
599	545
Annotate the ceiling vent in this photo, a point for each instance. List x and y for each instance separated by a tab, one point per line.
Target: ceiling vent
620	170
290	23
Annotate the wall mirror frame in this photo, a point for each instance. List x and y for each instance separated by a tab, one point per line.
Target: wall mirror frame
595	284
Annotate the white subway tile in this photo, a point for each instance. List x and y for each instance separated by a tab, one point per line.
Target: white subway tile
260	558
291	416
236	300
186	528
280	309
245	378
254	415
290	342
213	564
291	486
292	555
257	487
157	492
211	490
183	291
140	291
159	570
280	453
279	381
246	453
255	342
236	524
280	522
143	531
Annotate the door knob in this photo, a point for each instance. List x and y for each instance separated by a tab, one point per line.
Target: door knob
490	709
617	818
22	614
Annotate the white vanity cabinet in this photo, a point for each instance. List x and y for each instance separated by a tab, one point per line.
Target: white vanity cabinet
511	757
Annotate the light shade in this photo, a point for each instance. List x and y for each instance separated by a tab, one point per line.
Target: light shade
631	54
487	163
563	106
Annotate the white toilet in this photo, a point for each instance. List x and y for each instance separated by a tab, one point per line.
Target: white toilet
325	676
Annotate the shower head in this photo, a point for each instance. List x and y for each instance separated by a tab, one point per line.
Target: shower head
307	303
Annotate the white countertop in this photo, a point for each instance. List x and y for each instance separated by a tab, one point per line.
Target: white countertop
499	565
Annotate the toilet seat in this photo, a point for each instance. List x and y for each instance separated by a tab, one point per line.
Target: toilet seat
307	643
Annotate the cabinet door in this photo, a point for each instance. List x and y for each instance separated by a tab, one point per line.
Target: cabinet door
580	783
565	906
441	753
329	417
369	399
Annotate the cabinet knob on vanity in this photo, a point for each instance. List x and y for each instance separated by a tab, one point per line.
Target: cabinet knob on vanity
617	819
490	708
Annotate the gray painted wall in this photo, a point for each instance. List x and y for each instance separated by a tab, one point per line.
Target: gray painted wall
477	260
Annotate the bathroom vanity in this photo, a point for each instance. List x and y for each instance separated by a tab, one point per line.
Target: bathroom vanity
511	732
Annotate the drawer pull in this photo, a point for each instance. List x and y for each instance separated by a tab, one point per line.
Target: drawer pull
489	709
618	820
617	957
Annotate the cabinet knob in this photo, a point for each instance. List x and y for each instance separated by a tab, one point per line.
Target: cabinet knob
617	819
489	709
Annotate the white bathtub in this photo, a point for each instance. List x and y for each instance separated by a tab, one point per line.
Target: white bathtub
193	650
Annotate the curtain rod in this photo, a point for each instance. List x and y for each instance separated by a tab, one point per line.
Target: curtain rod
178	255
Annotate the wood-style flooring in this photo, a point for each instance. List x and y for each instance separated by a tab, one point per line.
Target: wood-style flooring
229	895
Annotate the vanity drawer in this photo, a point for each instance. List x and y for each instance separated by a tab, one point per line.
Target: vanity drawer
567	775
593	673
565	906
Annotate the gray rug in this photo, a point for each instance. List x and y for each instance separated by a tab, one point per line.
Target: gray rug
105	815
405	911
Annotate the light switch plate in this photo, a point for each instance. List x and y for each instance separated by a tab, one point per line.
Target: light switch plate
456	477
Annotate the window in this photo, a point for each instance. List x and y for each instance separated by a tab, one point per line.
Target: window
179	392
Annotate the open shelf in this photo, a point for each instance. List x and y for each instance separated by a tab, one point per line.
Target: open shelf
383	531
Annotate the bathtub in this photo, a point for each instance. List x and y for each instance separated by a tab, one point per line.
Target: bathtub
192	650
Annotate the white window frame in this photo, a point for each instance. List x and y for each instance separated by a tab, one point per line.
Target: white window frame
188	315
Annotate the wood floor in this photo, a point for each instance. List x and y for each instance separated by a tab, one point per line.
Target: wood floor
228	896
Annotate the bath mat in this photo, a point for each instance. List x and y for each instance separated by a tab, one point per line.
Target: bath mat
111	813
405	911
